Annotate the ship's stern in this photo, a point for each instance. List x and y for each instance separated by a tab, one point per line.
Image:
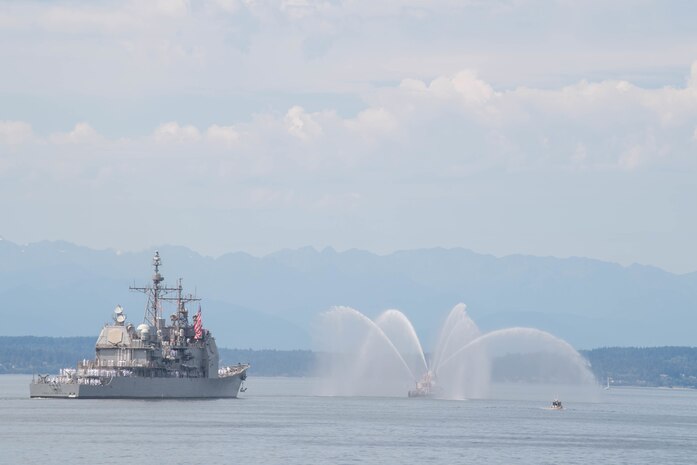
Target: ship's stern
54	390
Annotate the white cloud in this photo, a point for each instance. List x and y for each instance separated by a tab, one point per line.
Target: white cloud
460	122
14	132
82	133
464	88
226	135
139	48
301	124
413	85
172	132
373	121
464	85
303	96
603	124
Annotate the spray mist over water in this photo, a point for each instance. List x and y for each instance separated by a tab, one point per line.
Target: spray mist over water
385	358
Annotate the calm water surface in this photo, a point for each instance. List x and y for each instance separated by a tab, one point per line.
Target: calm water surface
278	422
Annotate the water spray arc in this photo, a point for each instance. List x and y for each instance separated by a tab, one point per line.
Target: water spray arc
385	356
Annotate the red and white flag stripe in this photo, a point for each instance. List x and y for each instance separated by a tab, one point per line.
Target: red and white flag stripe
198	325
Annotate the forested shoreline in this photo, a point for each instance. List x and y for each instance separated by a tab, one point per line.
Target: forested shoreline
624	366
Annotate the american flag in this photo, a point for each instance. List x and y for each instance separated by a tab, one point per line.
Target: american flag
198	325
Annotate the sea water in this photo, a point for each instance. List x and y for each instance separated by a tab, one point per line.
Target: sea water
278	421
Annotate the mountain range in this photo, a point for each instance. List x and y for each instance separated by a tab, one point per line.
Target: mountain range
56	288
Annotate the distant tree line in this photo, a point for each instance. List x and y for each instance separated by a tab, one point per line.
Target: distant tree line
624	366
645	366
30	354
272	362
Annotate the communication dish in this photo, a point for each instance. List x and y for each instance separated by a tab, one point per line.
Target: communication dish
120	318
118	310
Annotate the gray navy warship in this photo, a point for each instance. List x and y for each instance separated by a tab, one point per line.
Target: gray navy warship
156	359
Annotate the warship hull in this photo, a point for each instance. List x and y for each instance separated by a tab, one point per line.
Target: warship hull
161	358
124	387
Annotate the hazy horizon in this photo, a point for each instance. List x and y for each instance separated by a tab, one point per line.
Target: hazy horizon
319	249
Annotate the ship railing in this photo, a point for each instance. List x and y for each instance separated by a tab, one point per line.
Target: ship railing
92	373
82	376
133	344
232	370
65	376
90	364
101	377
103	373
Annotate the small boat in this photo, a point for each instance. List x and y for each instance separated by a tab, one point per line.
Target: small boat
556	405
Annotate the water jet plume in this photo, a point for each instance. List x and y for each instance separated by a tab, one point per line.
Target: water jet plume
457	331
399	330
384	357
467	372
361	359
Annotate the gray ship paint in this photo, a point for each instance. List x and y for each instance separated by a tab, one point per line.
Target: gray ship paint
158	359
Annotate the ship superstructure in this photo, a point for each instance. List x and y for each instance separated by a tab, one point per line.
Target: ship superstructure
157	359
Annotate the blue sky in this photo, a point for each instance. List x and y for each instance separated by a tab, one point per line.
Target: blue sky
540	127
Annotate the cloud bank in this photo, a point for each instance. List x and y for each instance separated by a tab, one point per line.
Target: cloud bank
256	125
606	125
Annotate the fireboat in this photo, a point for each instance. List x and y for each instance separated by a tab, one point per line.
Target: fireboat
425	387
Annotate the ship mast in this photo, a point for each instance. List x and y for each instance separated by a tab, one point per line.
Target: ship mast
181	299
155	292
